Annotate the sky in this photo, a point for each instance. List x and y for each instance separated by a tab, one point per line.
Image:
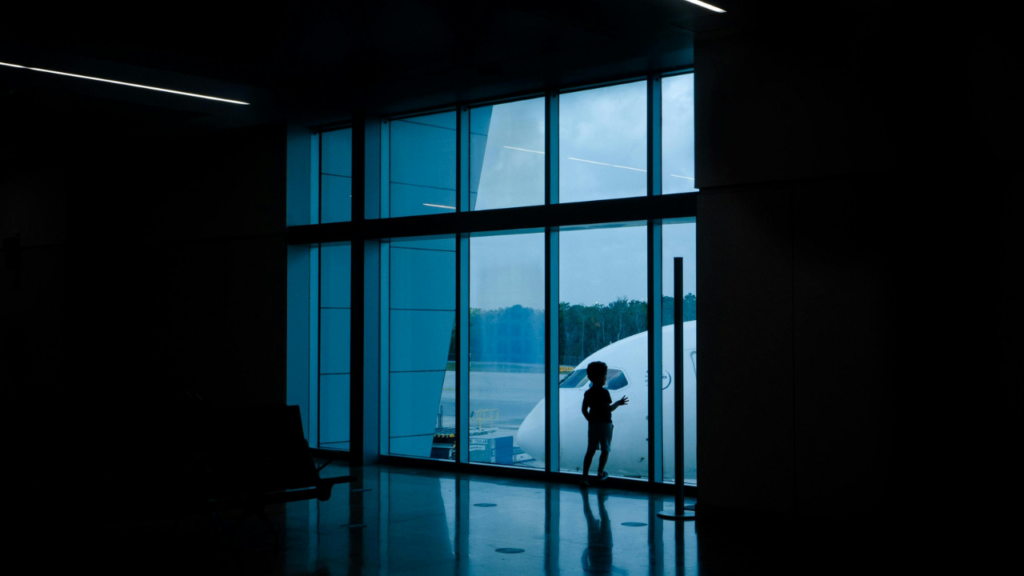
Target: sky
602	154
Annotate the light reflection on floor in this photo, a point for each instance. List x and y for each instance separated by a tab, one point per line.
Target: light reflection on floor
413	521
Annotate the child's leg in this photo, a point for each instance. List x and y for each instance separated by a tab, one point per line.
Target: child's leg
606	447
592	443
590	458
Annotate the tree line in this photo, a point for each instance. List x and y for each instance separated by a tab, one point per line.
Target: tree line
516	334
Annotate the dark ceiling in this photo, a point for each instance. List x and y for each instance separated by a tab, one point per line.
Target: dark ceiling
318	62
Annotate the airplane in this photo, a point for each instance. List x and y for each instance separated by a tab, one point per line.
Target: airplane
627	376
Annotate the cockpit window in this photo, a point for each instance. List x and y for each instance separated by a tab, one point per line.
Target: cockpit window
578	379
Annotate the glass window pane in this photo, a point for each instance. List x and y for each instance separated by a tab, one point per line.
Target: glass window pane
334	329
334	397
336	156
335	198
679	239
506	348
336	176
335	340
421	325
603	143
677	134
602	316
422	172
506	155
336	273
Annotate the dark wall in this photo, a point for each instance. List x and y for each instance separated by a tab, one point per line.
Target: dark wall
144	261
846	219
839	237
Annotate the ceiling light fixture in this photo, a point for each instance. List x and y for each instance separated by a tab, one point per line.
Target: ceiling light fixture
706	5
439	206
125	84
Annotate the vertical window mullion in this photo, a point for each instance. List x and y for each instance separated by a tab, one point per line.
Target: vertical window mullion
551	399
654	352
462	334
654	274
314	182
462	160
462	290
314	335
385	347
385	169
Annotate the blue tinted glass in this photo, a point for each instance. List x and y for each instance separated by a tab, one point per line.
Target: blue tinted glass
602	316
334	408
336	176
335	198
411	268
421	322
335	340
335	270
603	143
679	239
506	155
422	173
332	340
677	134
506	349
336	156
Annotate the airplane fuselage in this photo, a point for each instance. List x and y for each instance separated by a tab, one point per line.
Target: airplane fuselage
629	452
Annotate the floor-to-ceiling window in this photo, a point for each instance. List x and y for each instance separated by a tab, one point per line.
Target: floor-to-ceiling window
679	240
335	346
512	244
506	344
506	155
420	297
602	317
335	176
603	143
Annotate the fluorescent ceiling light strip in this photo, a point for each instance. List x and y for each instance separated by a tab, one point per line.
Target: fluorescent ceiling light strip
706	5
126	84
439	206
678	176
606	164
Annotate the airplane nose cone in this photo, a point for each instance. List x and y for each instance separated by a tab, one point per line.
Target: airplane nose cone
531	433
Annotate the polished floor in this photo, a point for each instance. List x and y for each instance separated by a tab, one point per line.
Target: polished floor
398	521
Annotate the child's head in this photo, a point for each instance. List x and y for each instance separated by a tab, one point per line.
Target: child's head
597	372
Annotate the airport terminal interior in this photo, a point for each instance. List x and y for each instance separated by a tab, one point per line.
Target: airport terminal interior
314	290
